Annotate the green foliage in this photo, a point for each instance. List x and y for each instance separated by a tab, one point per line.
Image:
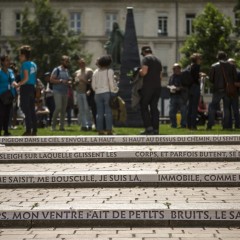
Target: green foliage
46	31
236	11
212	32
165	129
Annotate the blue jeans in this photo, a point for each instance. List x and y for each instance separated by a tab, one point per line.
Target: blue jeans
84	117
60	107
194	95
104	112
213	106
177	104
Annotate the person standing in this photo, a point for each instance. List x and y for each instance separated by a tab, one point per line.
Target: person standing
49	99
28	75
6	80
151	71
234	101
82	78
176	99
194	91
220	73
103	84
60	79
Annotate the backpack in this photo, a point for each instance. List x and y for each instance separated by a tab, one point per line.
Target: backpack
187	79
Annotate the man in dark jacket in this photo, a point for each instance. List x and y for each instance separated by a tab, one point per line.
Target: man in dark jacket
151	72
220	73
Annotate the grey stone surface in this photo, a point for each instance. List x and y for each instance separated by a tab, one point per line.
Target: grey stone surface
123	140
140	153
120	233
121	206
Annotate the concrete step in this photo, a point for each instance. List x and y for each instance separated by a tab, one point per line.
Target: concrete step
140	153
123	140
120	174
120	207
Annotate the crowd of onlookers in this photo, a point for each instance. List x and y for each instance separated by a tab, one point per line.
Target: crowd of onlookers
187	88
48	105
87	94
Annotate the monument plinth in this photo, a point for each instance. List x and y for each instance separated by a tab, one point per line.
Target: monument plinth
130	59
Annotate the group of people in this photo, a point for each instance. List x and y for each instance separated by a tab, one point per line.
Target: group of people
185	93
93	92
95	88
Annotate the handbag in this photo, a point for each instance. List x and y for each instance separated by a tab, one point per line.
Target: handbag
7	97
114	102
231	89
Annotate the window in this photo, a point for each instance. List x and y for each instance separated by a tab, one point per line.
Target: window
162	26
75	22
110	19
189	23
18	23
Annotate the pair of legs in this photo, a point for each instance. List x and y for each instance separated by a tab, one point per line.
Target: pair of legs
194	95
60	108
217	97
104	112
177	104
149	109
4	118
27	104
84	116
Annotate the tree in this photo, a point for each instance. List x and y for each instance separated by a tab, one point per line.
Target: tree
236	11
212	32
46	31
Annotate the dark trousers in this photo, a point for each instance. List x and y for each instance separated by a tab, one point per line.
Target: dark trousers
194	95
235	110
27	104
149	107
4	116
177	104
216	98
51	106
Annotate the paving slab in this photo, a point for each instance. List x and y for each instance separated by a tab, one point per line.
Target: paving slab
140	153
120	233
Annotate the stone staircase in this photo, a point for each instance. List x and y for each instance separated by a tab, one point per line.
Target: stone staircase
120	181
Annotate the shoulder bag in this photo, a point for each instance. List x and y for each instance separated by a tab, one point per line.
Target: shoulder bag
231	89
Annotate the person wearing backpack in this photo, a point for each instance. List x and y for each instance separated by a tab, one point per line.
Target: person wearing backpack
194	91
60	79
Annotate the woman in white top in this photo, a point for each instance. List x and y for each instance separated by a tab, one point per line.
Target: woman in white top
103	84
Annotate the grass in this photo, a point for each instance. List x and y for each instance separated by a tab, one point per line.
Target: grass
165	129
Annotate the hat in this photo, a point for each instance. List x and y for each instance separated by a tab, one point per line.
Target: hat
146	49
176	65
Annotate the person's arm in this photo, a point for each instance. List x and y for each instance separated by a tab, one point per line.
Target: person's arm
143	71
112	82
23	81
54	79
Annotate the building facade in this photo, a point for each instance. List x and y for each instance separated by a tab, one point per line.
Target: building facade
162	24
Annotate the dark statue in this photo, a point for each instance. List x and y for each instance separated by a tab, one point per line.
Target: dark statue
114	45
